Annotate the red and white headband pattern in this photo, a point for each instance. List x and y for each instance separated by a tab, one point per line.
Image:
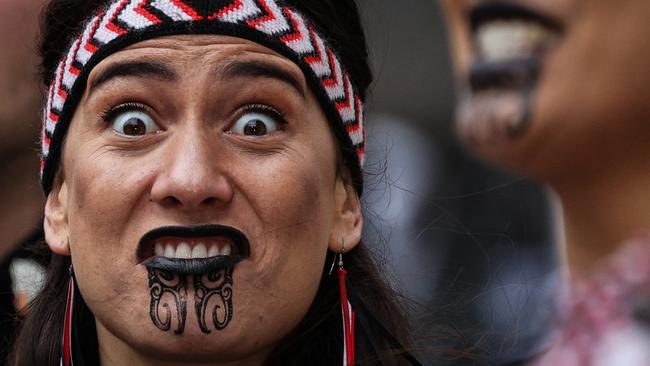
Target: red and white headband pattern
268	22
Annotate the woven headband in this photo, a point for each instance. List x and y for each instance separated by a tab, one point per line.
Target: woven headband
270	23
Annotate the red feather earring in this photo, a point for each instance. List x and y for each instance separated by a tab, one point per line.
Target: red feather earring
347	312
66	340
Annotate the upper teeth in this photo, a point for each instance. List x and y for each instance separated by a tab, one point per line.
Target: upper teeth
500	40
183	250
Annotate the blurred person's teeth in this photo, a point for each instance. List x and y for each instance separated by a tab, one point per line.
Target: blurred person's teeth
159	250
214	250
183	251
170	251
199	251
500	40
226	250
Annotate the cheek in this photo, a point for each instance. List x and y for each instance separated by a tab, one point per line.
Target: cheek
103	195
599	75
99	202
294	202
104	192
293	199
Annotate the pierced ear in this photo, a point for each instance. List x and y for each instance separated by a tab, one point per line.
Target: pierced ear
348	220
56	220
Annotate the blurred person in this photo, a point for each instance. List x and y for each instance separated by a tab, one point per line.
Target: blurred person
20	200
558	90
202	165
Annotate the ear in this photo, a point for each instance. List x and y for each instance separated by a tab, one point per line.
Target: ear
56	220
348	220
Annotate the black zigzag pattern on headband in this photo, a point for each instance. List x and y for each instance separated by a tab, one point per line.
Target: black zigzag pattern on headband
268	22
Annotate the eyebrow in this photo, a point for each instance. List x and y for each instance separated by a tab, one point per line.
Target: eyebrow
138	69
155	70
261	69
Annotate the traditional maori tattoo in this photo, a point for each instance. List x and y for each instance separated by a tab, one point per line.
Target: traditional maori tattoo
174	285
212	297
213	291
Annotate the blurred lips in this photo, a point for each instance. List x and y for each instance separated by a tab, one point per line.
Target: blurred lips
192	249
510	42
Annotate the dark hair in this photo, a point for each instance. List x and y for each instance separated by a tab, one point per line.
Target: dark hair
317	340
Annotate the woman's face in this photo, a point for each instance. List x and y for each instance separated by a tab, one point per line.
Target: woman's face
553	86
188	131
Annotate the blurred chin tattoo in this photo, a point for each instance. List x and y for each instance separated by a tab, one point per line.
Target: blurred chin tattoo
212	299
494	116
213	291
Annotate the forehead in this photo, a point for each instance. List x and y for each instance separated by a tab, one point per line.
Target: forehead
197	51
201	44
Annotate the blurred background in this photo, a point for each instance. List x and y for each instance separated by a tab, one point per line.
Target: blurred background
470	246
21	200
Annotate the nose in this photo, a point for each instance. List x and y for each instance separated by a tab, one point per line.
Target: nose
191	173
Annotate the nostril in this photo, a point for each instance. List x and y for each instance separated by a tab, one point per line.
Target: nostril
171	201
210	201
191	191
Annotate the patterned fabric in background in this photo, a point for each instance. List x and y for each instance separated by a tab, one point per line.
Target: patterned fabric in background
608	321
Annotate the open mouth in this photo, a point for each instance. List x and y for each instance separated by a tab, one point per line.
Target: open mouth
193	249
510	42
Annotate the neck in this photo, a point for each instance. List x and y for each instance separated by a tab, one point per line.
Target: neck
115	352
22	200
603	210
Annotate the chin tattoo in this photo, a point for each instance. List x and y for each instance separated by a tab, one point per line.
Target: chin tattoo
213	292
212	299
168	291
495	116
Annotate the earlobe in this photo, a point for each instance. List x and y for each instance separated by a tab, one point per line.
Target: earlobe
55	223
348	220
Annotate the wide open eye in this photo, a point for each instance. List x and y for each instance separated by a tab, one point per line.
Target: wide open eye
257	123
133	123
